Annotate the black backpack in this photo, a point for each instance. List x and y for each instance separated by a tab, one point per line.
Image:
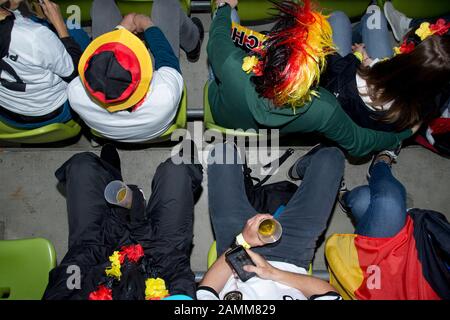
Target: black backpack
268	198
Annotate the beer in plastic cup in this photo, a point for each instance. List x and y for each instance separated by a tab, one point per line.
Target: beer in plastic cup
119	194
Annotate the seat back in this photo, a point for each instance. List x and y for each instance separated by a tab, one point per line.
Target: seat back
260	10
421	8
24	268
125	6
50	133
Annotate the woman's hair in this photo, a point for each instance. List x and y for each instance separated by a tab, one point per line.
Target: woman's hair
294	55
410	80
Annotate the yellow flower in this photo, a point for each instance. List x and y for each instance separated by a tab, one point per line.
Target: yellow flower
424	31
155	289
249	63
114	270
397	51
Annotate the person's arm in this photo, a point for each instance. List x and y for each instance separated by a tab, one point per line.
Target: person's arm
219	273
356	140
220	45
54	16
308	285
157	42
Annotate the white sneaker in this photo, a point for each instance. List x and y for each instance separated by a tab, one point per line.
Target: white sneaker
398	21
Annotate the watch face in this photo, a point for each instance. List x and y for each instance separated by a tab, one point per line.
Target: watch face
233	295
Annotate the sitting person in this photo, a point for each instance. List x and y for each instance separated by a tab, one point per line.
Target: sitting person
126	254
383	92
117	94
282	92
281	268
36	66
395	253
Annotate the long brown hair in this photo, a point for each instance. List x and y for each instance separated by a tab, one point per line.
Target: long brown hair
410	80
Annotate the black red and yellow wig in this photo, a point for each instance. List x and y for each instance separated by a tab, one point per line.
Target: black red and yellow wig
294	56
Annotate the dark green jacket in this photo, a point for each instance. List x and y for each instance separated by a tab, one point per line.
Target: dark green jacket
235	103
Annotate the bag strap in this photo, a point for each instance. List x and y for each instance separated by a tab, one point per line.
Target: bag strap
286	155
247	171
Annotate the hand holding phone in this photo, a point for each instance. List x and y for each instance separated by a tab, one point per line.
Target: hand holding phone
237	258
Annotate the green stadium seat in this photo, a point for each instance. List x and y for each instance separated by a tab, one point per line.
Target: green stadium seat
50	133
126	6
24	268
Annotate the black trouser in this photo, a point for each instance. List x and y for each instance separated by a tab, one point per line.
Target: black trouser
96	229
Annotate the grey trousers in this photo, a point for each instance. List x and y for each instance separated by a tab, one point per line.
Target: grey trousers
178	28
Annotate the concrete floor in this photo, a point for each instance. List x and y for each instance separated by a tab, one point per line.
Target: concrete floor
32	206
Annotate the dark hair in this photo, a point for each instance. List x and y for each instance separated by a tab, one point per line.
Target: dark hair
276	57
411	80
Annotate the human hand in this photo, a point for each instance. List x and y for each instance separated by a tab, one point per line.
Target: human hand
263	269
250	232
128	22
142	22
54	16
233	3
361	48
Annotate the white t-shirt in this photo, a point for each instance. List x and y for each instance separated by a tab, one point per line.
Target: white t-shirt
260	289
40	60
363	92
149	121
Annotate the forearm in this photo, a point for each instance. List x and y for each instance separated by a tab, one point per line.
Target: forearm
161	49
217	276
61	29
308	285
360	141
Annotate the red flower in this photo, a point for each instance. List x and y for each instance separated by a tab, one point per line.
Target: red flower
441	27
407	47
134	253
102	293
258	69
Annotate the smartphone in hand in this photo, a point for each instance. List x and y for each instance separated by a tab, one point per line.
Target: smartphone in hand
237	258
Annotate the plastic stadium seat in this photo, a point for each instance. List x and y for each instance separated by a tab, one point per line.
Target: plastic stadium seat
257	10
126	6
422	8
24	268
180	123
210	124
51	133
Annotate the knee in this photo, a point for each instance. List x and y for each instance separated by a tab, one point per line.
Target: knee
339	18
332	157
83	161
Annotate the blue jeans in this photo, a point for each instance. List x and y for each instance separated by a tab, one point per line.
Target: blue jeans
372	31
303	220
378	209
